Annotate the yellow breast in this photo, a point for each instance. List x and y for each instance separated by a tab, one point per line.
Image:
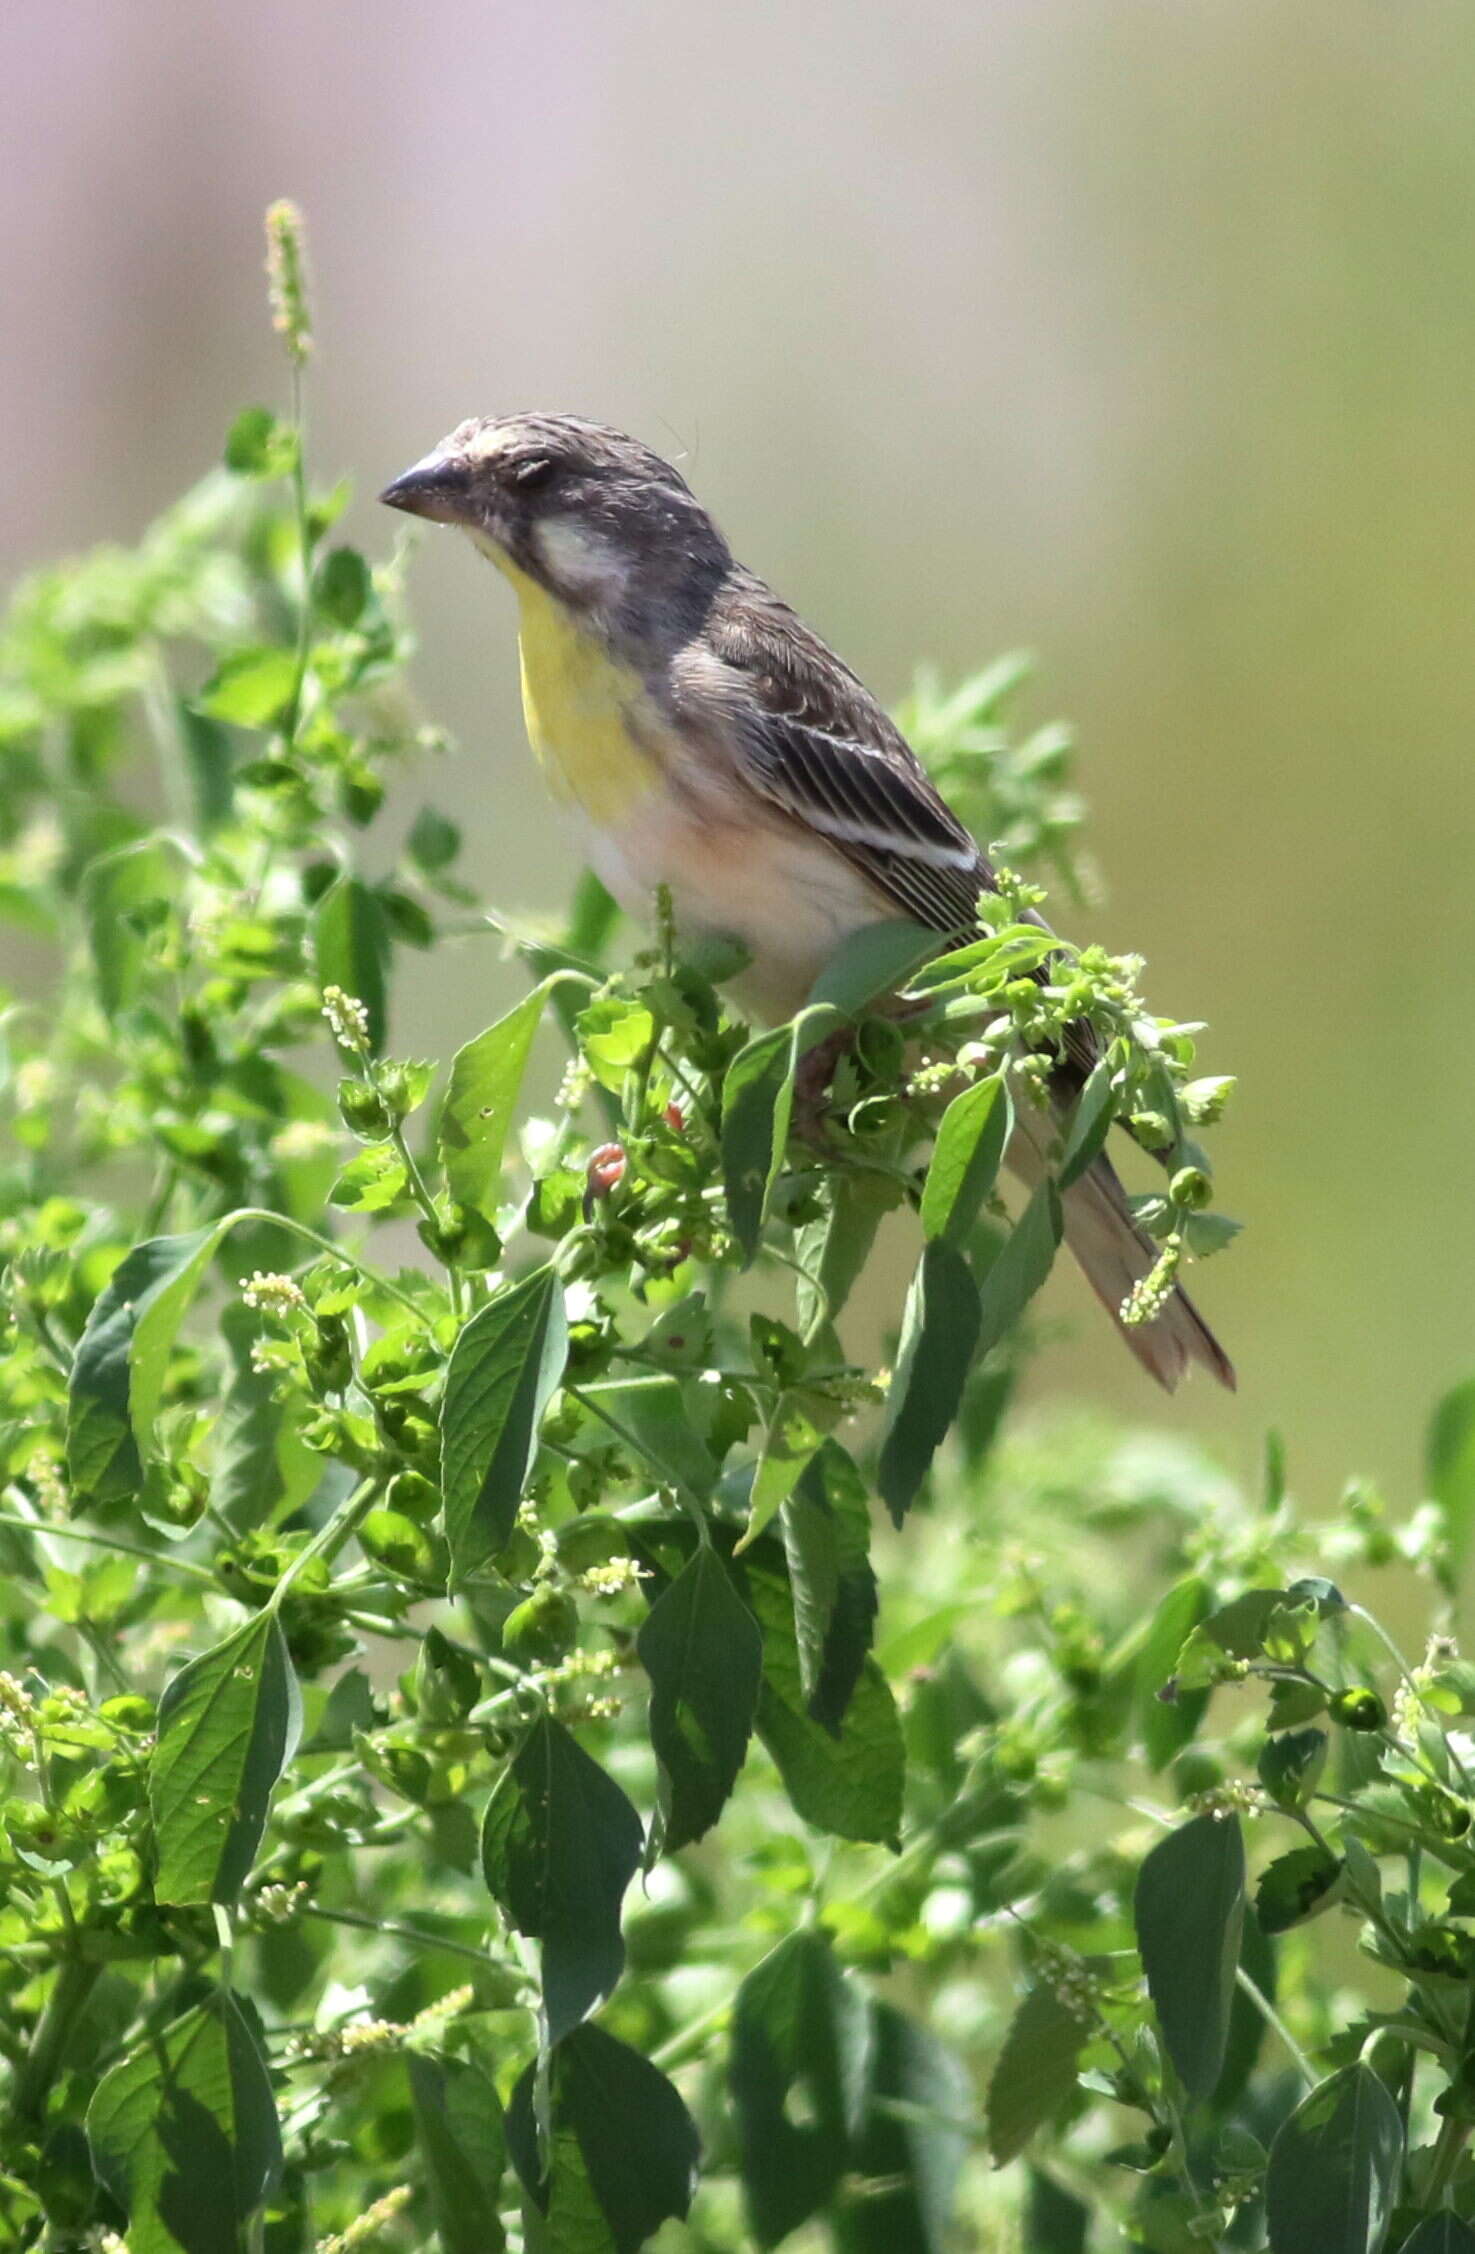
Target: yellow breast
579	705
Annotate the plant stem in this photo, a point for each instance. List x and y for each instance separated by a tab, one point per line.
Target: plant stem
110	1542
304	546
1273	2019
74	1984
409	1933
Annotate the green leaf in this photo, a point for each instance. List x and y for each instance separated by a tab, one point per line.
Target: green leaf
503	1370
1090	1123
790	1444
1334	2169
826	1533
228	1726
1236	1631
184	2134
250	688
1188	1909
1290	1766
1441	2234
372	1181
1168	1725
649	1413
559	1845
622	2153
871	963
1298	1886
939	1330
485	1079
123	892
118	1372
703	1652
341	587
757	1103
797	2073
847	1782
965	1158
350	944
433	842
913	2141
258	445
833	1249
1449	1463
1020	1268
1035	2072
458	2123
262	1470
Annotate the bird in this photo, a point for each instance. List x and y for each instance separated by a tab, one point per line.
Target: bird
703	738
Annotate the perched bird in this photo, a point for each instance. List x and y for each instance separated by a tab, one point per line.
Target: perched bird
704	738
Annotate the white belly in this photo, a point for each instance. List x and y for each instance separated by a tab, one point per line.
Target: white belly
788	898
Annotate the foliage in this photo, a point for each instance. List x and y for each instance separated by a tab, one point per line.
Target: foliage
467	1773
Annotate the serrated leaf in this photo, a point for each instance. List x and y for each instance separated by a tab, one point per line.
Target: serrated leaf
458	2124
1035	2072
486	1077
350	944
939	1331
503	1370
372	1181
622	2150
965	1158
559	1845
790	1443
1188	1909
872	963
117	1377
184	2135
703	1652
228	1726
1334	2168
757	1104
797	2072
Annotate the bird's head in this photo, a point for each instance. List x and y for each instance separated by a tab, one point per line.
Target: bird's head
596	518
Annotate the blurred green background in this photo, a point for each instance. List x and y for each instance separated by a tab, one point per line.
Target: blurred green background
1138	333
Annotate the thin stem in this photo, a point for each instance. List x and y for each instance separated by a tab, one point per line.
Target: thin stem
304	546
74	1984
410	1933
335	1252
426	1203
1272	2018
329	1538
110	1542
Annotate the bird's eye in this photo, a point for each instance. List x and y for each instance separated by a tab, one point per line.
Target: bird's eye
535	471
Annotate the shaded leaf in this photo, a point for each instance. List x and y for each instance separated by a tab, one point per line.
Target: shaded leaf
1090	1122
939	1331
826	1533
1021	1266
757	1103
965	1158
623	2150
1298	1886
790	1443
122	892
559	1845
1441	2234
503	1370
1035	2072
833	1249
458	2123
873	962
703	1652
649	1413
1334	2168
262	1470
913	2140
228	1726
184	2134
118	1372
797	2071
1188	1908
341	586
1168	1725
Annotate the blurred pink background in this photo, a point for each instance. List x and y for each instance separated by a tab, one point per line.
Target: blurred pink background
1138	333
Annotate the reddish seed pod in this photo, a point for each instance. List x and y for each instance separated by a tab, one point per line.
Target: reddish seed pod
675	1119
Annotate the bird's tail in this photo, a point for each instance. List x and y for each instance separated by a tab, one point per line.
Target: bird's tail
1116	1254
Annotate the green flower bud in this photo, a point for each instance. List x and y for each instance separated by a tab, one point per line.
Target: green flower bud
390	1539
413	1496
363	1111
1191	1186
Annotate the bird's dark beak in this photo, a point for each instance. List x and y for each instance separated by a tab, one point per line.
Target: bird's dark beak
437	488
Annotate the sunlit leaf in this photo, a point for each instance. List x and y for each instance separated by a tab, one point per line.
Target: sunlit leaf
1334	2168
229	1722
1188	1908
502	1373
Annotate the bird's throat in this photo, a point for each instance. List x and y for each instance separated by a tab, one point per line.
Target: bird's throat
583	709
